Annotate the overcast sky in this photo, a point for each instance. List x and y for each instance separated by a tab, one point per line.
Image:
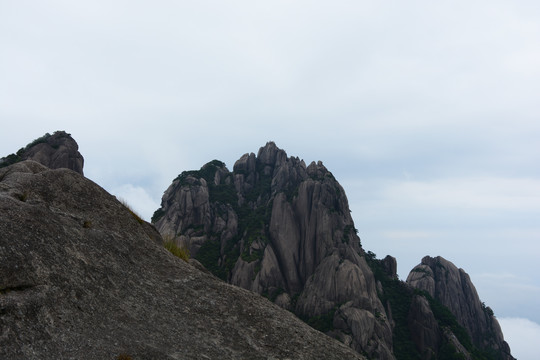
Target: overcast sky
427	113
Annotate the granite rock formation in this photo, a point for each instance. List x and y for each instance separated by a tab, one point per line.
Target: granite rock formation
453	287
281	229
423	326
55	151
81	277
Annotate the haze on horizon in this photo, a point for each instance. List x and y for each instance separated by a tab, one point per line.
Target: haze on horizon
426	113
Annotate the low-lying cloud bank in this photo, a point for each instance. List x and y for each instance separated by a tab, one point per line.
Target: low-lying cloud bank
523	336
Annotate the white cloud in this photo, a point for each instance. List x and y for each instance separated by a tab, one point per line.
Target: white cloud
407	234
518	283
504	276
523	336
138	199
520	194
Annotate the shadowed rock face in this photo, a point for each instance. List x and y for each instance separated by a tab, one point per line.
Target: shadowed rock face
282	229
424	328
81	277
454	289
55	151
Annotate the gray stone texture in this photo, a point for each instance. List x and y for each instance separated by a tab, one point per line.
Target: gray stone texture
55	151
454	289
311	260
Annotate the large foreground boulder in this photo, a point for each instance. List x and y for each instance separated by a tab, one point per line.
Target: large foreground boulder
82	277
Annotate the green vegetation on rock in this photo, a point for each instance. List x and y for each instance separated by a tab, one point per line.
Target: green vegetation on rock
399	296
252	220
158	214
324	322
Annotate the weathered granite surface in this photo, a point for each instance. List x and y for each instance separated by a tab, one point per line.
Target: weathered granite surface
284	230
454	289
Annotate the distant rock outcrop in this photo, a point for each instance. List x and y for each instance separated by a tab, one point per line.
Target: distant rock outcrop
444	282
55	151
284	230
81	277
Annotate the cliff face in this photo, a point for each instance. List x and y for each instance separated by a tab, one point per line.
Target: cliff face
424	328
81	277
282	229
443	281
55	151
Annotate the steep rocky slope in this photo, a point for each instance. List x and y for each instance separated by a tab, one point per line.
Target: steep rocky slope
81	277
444	282
55	151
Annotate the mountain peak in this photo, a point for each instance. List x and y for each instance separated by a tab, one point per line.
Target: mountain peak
283	230
55	151
271	155
443	281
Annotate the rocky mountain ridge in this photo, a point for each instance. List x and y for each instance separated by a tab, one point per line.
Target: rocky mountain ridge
82	261
82	277
282	229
